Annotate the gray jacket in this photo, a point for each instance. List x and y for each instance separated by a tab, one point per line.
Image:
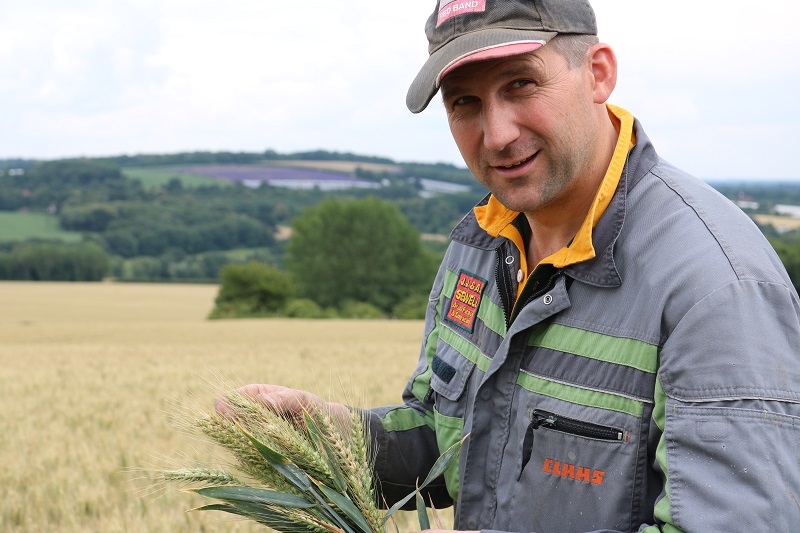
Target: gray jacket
655	385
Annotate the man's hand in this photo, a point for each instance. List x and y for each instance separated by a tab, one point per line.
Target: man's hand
290	402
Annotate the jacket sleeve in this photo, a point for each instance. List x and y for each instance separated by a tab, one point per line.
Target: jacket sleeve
403	436
728	406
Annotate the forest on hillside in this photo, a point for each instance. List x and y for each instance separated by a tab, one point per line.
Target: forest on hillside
182	230
178	229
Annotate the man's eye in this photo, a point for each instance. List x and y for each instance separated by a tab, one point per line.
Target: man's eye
464	100
521	83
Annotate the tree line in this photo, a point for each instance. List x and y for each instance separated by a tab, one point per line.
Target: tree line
767	194
176	232
346	258
242	158
54	262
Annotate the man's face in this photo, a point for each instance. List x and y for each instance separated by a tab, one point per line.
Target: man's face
525	125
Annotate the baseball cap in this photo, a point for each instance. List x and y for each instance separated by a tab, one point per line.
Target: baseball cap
464	31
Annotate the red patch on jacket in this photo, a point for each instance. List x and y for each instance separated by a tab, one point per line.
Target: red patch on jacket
466	299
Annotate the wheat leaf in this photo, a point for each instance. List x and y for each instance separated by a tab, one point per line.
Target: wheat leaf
296	476
422	514
396	507
273	518
442	463
247	510
279	462
326	508
254	495
220	507
348	508
322	444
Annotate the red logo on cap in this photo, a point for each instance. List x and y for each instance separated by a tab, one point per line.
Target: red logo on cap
459	7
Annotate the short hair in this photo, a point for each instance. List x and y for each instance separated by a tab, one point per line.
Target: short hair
573	47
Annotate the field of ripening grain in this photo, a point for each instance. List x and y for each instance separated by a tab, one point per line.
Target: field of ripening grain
92	376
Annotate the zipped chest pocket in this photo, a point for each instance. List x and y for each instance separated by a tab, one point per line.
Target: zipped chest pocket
589	458
546	420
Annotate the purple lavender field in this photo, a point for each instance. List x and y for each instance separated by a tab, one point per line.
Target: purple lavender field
295	178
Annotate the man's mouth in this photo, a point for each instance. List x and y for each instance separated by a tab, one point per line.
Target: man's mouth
518	163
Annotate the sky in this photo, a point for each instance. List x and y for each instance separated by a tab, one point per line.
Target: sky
715	83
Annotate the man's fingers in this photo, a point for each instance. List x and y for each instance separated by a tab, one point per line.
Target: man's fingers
290	402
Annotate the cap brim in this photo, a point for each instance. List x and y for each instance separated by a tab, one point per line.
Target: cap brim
475	46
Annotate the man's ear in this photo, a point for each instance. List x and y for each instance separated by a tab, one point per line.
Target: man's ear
602	63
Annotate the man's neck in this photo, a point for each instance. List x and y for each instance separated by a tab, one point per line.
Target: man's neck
554	226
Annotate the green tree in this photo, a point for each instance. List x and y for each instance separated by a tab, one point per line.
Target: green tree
54	262
363	250
90	217
789	253
251	289
412	308
74	182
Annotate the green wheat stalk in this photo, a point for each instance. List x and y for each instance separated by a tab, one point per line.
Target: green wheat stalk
310	475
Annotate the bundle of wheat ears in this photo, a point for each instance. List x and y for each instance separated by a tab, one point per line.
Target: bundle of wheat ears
312	475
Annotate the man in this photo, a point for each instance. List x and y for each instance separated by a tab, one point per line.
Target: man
618	340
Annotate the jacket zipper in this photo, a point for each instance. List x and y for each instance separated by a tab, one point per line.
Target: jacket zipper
503	279
576	427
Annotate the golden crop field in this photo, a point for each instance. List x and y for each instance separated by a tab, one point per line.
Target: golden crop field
91	376
780	223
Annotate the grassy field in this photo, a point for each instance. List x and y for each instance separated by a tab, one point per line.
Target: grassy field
780	223
92	374
17	226
160	176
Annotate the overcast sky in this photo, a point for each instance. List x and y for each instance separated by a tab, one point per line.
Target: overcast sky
715	83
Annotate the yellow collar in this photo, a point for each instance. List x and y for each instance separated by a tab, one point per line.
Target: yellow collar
496	219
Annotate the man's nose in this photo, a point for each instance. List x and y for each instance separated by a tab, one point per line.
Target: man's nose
499	125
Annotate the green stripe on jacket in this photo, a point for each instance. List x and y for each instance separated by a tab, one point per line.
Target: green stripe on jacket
618	350
579	395
405	418
449	430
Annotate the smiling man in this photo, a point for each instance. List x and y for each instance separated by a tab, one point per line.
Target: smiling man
619	341
534	131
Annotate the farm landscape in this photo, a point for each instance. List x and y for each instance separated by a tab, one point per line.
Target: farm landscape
96	376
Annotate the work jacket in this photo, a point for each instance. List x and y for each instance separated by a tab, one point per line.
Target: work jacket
655	385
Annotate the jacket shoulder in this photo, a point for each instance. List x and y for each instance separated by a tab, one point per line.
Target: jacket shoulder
696	218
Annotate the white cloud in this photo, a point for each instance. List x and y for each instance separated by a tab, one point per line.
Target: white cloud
714	82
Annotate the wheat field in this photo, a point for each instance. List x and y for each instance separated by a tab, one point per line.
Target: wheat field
96	378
